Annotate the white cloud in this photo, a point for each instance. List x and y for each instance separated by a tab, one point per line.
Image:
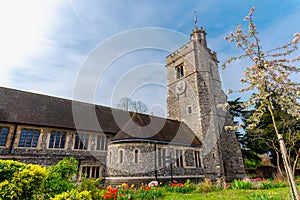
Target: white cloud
24	25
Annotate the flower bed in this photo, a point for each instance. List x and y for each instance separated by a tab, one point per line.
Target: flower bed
124	192
180	187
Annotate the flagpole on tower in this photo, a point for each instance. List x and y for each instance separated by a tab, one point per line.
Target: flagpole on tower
195	20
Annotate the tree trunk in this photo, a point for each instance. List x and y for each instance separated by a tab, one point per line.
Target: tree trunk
286	163
278	164
296	162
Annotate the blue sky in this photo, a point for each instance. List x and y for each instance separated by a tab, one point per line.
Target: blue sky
45	45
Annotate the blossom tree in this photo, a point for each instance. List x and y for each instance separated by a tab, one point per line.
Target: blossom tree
269	77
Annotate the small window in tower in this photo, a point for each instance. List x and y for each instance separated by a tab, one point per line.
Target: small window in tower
110	157
121	156
179	71
136	156
216	99
190	109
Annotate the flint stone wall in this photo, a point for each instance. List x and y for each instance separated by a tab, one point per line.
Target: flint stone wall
147	164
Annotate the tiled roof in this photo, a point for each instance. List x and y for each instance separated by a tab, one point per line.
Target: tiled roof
42	110
149	128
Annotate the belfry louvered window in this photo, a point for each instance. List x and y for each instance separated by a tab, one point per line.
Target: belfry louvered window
179	71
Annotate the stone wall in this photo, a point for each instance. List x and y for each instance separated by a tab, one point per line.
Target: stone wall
148	167
232	154
42	155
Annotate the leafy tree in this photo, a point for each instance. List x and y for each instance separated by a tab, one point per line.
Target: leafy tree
262	138
264	134
60	177
249	151
269	76
133	106
239	114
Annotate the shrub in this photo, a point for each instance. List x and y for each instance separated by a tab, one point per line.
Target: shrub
251	175
208	186
204	187
298	180
66	168
279	177
91	185
60	179
256	185
274	184
25	183
73	195
8	168
238	184
252	162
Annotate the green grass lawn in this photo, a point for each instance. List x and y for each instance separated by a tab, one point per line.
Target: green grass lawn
277	194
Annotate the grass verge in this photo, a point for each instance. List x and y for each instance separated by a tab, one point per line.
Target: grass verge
273	194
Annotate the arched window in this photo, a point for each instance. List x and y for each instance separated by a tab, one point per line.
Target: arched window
121	156
179	71
110	161
136	156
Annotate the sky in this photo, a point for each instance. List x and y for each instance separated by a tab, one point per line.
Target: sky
100	51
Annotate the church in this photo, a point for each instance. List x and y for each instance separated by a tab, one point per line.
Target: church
191	143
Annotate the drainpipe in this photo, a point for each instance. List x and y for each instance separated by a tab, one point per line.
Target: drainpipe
155	162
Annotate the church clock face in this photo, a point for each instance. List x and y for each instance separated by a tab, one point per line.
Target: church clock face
180	87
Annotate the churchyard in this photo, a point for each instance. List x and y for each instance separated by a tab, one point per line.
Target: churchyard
61	182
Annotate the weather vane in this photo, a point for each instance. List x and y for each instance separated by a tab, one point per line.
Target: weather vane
195	20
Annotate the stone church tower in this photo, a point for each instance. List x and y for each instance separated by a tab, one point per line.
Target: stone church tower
194	92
